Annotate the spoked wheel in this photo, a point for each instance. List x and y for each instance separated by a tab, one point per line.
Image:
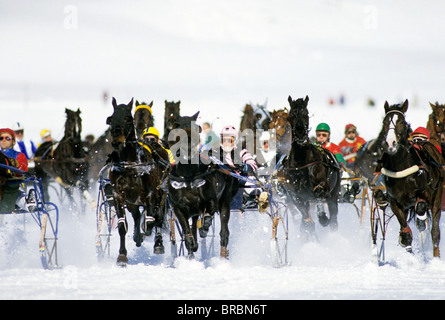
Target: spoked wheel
379	223
105	220
46	214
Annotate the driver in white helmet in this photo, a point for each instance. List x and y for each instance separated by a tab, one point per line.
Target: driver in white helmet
229	138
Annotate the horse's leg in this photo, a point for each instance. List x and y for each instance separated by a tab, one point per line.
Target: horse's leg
187	233
405	235
224	233
333	211
436	213
307	226
122	227
159	221
137	234
207	218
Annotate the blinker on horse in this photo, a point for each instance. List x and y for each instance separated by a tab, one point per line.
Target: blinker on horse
413	176
135	177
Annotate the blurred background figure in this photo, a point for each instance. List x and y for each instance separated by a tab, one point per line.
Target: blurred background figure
25	146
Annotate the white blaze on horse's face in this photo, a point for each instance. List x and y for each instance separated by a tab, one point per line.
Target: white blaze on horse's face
391	137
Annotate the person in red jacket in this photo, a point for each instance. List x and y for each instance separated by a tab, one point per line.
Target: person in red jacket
16	159
350	144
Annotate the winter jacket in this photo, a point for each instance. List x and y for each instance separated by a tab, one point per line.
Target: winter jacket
349	148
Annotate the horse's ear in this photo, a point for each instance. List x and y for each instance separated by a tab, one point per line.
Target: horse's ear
195	116
130	104
433	106
306	99
113	102
386	106
151	104
289	99
405	106
137	103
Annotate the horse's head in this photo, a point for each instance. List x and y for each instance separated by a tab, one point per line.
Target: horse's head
187	132
170	115
279	123
299	119
395	130
73	125
121	124
143	117
437	119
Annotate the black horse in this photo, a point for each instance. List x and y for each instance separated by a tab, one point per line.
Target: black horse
196	187
135	177
413	176
65	161
312	172
171	114
367	158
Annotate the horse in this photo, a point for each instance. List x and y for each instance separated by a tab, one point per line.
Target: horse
367	158
436	124
171	114
143	117
196	188
281	129
65	161
135	177
253	119
413	176
312	172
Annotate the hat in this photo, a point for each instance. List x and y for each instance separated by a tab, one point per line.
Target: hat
323	127
152	131
17	126
421	132
350	127
12	133
45	133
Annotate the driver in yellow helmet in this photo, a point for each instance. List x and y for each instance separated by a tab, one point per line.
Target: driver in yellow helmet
152	134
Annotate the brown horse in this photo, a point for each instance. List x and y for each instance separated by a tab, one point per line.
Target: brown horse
436	123
143	117
413	176
280	127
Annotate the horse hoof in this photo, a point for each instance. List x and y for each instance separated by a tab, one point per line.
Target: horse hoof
405	238
207	222
224	253
436	252
323	219
122	260
138	239
149	224
333	224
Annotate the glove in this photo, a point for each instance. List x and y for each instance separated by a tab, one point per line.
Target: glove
247	168
13	162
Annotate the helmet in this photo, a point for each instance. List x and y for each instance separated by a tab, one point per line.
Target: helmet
350	127
421	132
323	127
45	133
152	131
11	132
17	126
229	130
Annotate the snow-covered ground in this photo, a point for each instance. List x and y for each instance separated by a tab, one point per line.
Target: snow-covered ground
216	56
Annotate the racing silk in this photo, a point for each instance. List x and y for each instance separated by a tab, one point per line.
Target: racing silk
28	148
19	156
349	148
244	155
335	150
